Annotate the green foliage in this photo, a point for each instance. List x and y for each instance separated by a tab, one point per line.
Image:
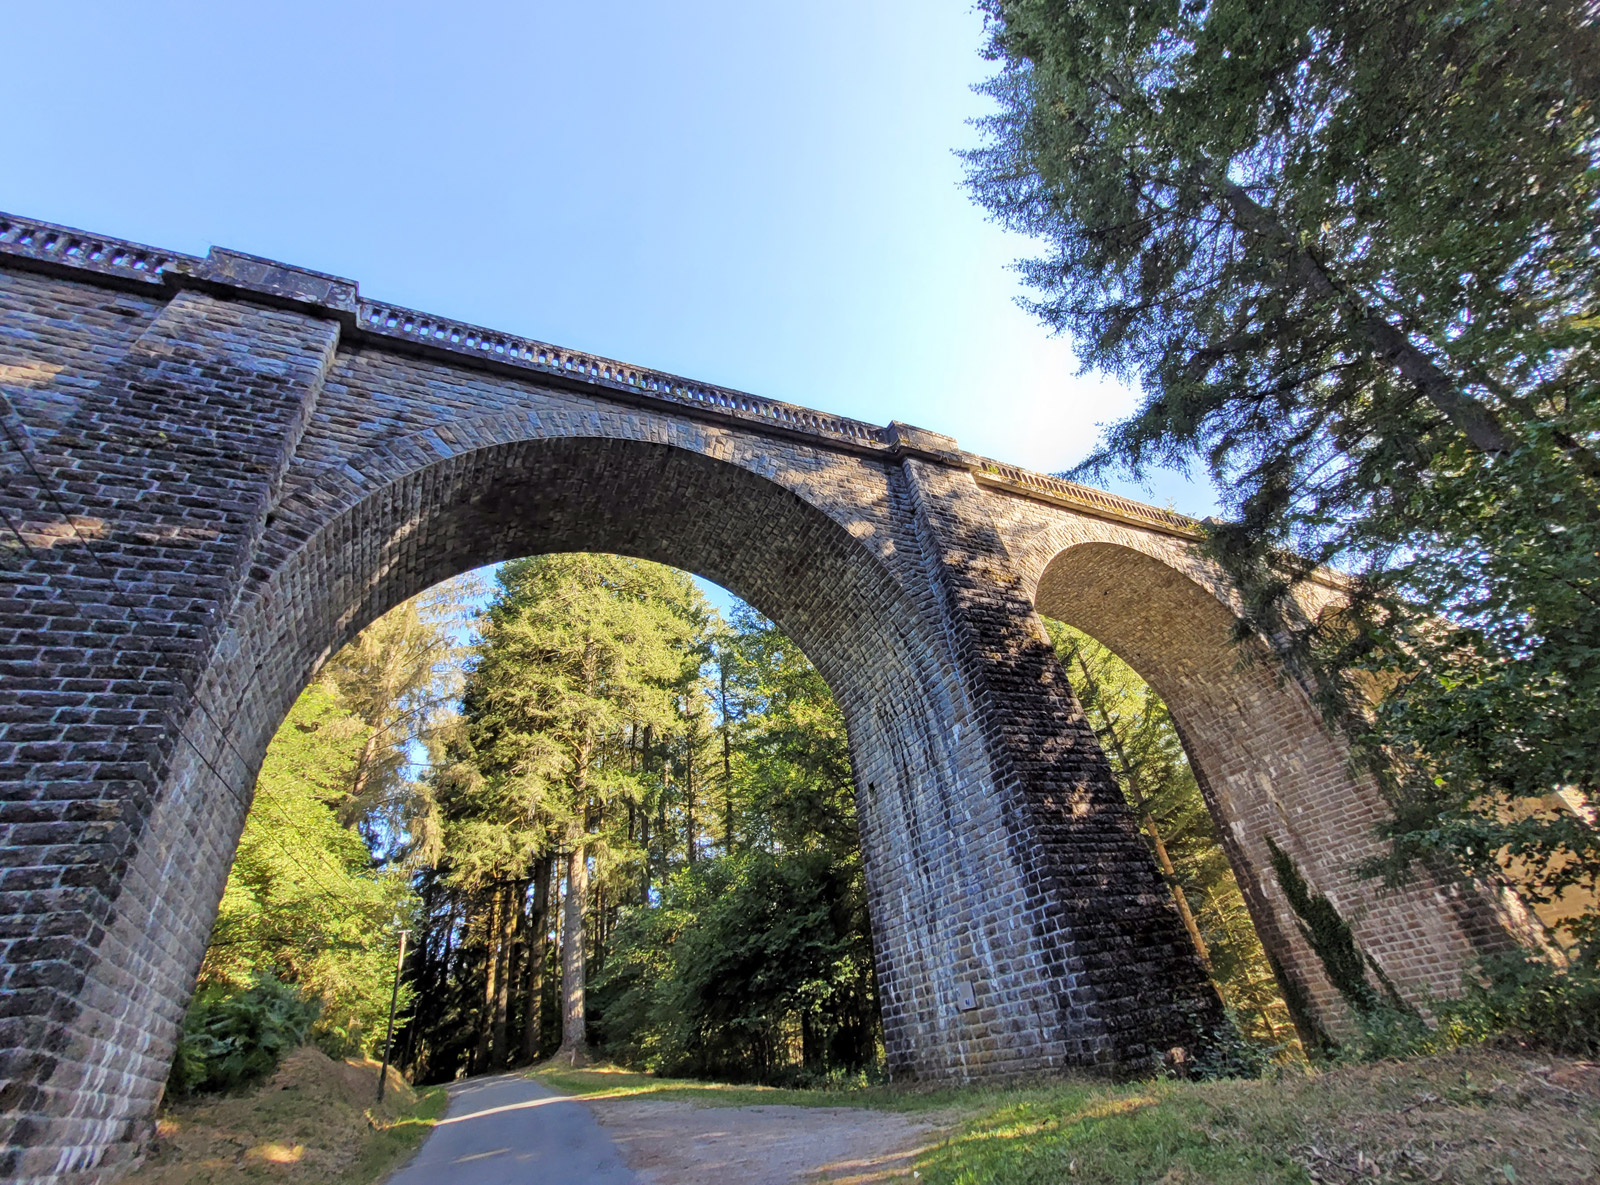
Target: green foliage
1326	932
1512	997
233	1037
578	654
1350	250
746	961
305	901
398	679
1225	1052
317	884
757	966
705	770
1529	1000
582	728
791	772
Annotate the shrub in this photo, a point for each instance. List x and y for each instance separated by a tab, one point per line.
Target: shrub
1223	1052
1517	996
1525	998
233	1037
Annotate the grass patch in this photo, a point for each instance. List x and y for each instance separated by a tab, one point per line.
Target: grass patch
390	1146
1155	1131
314	1120
611	1082
1471	1116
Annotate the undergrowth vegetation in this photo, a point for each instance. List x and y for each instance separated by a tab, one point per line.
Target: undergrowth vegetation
232	1038
1517	997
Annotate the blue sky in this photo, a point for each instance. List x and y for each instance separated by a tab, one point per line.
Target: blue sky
763	196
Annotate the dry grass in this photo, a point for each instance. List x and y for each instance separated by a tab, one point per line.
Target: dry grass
1471	1117
313	1121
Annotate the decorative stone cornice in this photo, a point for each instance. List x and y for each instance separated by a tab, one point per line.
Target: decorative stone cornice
61	250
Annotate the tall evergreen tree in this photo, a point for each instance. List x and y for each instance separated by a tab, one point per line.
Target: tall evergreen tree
577	652
613	732
400	677
756	963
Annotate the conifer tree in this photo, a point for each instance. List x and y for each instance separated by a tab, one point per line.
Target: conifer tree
576	651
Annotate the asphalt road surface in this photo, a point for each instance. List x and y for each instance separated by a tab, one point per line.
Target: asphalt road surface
509	1130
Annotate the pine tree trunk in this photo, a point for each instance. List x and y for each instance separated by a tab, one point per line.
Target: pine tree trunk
500	1053
533	973
661	823
1177	890
363	774
644	844
688	799
573	1037
573	971
491	931
644	813
727	762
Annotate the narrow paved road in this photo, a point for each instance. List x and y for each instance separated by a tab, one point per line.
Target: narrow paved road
509	1130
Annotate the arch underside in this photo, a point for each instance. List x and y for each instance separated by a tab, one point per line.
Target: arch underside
344	562
1267	765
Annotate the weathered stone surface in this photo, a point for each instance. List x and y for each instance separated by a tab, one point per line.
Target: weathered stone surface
216	471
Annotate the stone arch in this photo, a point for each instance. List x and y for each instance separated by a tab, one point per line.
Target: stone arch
348	546
1267	764
216	497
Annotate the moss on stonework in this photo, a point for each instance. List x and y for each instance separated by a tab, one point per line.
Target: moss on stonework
1328	934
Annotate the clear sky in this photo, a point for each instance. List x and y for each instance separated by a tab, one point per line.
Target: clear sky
760	195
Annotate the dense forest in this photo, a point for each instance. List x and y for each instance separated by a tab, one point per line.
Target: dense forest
614	825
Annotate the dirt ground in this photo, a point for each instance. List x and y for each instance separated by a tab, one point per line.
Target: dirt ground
312	1121
674	1143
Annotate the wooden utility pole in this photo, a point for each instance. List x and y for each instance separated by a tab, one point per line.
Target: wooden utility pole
394	998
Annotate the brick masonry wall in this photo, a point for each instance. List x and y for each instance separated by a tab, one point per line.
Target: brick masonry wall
1266	763
217	471
133	514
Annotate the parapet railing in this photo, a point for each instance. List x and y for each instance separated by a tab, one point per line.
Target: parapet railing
1099	502
73	248
391	321
63	247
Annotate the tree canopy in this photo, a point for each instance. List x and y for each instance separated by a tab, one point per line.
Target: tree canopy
653	807
321	879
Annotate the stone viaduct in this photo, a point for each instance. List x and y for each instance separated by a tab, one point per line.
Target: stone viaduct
216	471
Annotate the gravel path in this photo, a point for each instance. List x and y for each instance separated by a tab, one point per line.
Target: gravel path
510	1130
673	1143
